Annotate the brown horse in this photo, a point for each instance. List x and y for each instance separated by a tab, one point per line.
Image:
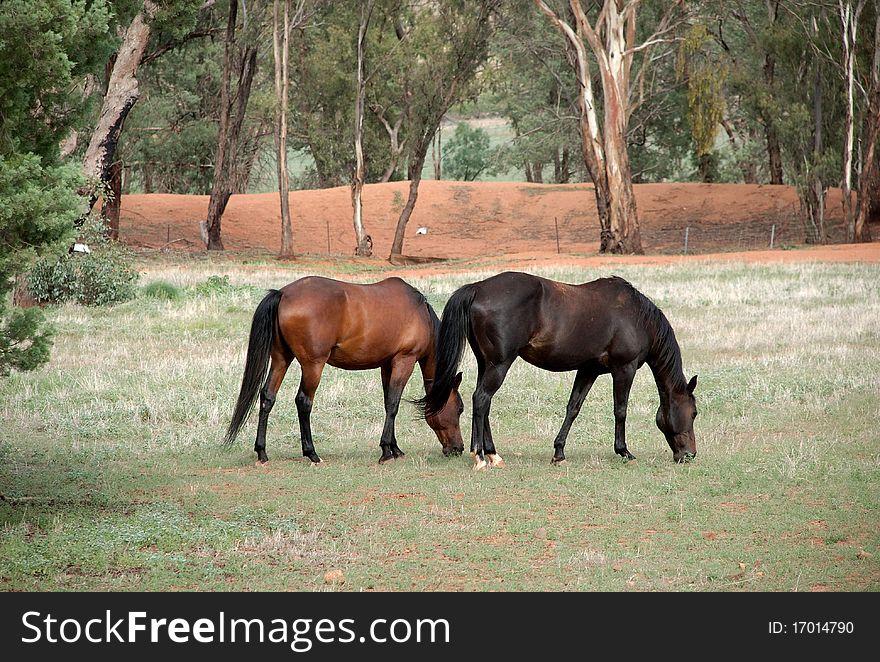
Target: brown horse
387	325
606	326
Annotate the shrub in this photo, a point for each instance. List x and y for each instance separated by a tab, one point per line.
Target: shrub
99	278
161	290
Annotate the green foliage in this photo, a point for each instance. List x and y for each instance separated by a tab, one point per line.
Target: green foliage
322	102
99	278
25	340
705	76
213	285
535	89
218	286
37	207
161	290
467	153
46	48
171	134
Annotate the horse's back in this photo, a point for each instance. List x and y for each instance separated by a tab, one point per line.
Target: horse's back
560	326
351	325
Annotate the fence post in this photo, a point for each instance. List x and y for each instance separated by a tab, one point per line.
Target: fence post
687	232
772	234
556	223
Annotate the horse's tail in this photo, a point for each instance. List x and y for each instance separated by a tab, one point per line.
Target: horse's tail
257	361
454	328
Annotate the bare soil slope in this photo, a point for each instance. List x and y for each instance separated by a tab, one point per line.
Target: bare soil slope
481	219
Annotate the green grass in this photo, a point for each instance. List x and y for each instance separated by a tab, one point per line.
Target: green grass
111	462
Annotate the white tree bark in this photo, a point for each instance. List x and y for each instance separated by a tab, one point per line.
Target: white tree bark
849	18
604	148
281	50
357	181
122	93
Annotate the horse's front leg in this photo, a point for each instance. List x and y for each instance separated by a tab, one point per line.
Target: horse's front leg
583	382
623	379
395	375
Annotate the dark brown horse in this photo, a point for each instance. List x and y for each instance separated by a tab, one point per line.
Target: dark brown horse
595	328
387	325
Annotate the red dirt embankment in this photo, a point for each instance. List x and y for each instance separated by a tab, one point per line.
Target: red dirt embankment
483	219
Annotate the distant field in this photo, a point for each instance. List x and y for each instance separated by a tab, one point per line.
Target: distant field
112	462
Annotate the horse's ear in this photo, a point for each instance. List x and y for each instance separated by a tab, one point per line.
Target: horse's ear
457	382
692	384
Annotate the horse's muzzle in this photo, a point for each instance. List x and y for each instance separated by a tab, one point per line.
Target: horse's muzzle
453	452
681	458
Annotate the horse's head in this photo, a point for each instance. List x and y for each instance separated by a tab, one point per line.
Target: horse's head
675	418
445	422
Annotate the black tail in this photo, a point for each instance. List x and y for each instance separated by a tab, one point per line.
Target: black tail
450	346
257	361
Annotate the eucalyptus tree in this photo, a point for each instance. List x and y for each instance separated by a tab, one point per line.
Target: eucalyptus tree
444	44
608	35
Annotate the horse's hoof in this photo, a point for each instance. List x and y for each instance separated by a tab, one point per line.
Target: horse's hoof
558	461
627	456
383	459
495	460
316	461
261	463
480	465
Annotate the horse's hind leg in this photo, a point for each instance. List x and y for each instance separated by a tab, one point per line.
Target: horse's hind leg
311	377
623	379
394	378
277	370
583	382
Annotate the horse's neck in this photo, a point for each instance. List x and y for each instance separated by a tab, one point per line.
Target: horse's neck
666	379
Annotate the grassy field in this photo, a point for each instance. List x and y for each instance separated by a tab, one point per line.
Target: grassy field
110	456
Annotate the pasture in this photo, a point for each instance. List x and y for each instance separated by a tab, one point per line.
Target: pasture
112	462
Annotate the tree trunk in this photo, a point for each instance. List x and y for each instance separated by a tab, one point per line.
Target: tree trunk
604	150
623	227
614	63
396	148
357	180
561	170
868	175
232	112
706	167
469	49
538	172
816	210
849	20
122	93
774	152
110	208
771	133
438	154
281	51
406	212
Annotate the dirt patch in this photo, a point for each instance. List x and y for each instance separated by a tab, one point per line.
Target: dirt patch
504	222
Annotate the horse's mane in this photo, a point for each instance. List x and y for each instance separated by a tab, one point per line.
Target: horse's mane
664	347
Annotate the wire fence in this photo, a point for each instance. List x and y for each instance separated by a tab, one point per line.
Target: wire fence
776	231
